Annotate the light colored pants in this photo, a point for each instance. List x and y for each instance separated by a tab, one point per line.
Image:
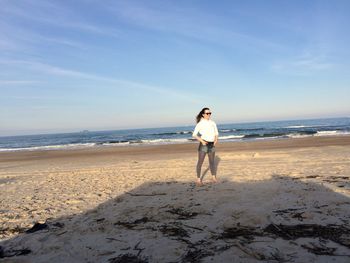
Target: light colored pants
201	157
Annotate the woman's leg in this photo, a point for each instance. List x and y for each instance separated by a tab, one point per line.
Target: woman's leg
212	165
201	157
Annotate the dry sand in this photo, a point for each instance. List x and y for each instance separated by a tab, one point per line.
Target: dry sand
277	201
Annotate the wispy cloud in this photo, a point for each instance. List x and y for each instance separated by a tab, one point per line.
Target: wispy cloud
17	82
119	83
57	40
6	44
29	97
54	14
186	22
163	17
28	40
40	107
305	64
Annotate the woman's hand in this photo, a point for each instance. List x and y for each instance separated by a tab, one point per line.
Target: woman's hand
216	140
204	142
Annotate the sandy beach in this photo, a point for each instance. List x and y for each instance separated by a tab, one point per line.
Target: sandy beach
284	200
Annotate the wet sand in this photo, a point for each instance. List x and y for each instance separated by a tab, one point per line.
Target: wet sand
276	200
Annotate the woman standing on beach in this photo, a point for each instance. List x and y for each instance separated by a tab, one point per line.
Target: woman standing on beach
207	134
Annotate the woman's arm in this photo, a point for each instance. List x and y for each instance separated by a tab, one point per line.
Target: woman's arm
195	135
216	134
200	140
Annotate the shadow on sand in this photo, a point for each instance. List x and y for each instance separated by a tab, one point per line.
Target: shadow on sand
277	220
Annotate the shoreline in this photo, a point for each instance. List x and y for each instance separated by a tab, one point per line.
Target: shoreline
167	150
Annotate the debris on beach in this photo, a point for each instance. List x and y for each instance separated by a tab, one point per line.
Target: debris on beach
37	227
13	252
195	255
337	233
145	194
127	258
11	231
182	213
246	232
131	225
320	249
174	230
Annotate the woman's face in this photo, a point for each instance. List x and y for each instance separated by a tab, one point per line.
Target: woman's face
206	115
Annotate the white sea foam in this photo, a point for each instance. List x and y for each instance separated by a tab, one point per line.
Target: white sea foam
319	133
227	130
50	147
264	138
296	127
231	137
115	143
184	132
164	141
303	126
298	135
329	133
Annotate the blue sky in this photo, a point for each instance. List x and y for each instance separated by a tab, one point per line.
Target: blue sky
99	65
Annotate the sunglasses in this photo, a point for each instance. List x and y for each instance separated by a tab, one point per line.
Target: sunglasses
207	113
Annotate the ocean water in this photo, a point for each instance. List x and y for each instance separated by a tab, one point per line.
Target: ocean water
171	135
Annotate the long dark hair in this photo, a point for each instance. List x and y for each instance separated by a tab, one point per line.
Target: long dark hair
200	114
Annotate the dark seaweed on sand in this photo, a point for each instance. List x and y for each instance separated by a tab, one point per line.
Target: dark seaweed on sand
127	258
13	252
173	231
131	225
37	227
195	255
182	214
240	231
336	233
319	249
